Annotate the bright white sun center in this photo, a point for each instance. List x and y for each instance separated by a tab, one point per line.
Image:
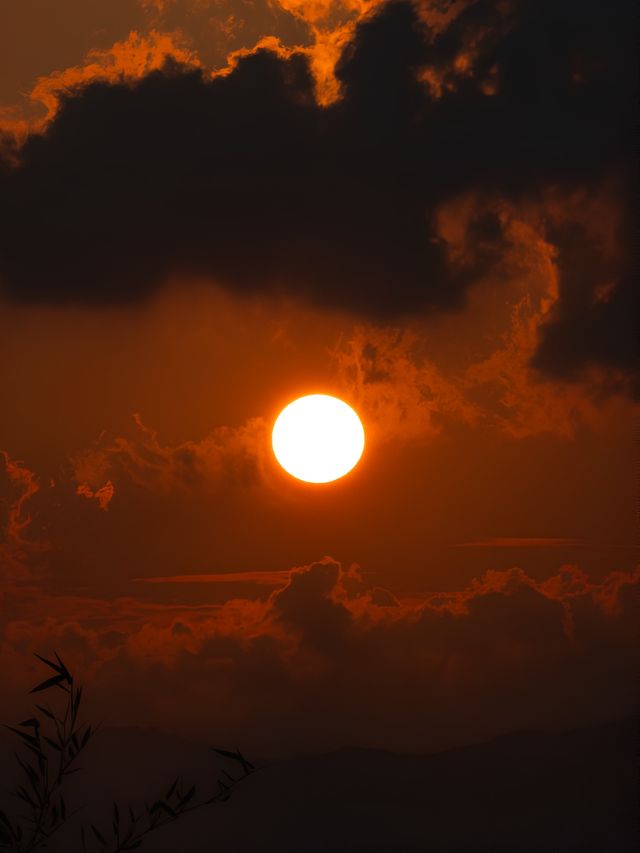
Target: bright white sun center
318	438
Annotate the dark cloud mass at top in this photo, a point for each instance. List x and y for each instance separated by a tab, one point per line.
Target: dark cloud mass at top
246	179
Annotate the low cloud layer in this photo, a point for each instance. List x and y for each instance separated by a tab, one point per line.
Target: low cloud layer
246	179
319	656
328	660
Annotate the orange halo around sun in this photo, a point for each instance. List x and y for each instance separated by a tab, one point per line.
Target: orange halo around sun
318	438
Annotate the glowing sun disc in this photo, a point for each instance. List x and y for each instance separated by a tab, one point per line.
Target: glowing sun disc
318	438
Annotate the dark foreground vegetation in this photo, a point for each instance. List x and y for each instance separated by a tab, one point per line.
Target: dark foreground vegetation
51	744
571	791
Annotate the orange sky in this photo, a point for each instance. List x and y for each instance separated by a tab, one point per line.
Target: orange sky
482	554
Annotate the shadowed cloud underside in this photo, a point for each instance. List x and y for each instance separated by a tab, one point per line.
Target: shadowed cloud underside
246	179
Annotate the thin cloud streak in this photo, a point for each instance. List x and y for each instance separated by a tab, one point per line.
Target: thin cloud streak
275	578
522	542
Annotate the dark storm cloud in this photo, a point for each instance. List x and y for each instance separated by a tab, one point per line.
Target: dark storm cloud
245	179
596	321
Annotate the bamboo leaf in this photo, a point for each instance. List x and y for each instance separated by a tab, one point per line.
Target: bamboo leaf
225	753
49	663
64	669
187	797
42	758
235	756
247	766
28	769
159	806
25	737
53	743
76	701
46	712
5	820
98	834
50	682
22	794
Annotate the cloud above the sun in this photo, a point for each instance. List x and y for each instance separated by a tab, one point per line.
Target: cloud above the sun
153	169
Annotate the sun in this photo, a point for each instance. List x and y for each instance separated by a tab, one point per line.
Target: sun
318	438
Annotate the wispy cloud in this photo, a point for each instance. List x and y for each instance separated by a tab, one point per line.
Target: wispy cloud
275	578
522	542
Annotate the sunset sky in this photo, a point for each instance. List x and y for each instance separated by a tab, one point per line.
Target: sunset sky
211	207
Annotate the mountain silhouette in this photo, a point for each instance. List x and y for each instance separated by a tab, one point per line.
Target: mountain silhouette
564	791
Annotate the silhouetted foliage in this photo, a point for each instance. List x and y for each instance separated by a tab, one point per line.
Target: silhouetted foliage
54	740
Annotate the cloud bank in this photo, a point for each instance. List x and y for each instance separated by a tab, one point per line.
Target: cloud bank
245	178
328	660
